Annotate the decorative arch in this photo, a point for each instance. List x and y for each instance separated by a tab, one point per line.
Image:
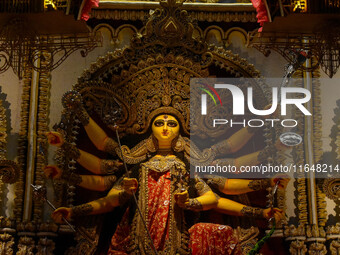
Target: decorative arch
153	72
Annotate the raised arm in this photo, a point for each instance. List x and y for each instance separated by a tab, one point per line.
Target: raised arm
90	162
116	197
91	182
238	139
72	101
230	207
97	165
250	159
99	138
234	143
241	186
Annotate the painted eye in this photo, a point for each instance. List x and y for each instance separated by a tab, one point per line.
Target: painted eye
159	123
172	123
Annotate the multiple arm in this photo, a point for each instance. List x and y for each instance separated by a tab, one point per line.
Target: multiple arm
241	186
205	200
238	186
117	196
230	207
234	143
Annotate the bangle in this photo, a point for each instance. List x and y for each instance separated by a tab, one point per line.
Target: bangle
259	184
221	148
108	166
266	153
201	186
252	212
82	210
217	182
194	205
110	146
83	116
109	181
71	150
73	179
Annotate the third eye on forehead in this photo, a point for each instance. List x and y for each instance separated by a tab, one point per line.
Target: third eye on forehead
160	123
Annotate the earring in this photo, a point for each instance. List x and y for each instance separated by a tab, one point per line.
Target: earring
178	144
152	143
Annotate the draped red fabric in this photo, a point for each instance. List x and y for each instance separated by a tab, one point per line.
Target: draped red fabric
213	239
262	15
89	4
158	214
205	238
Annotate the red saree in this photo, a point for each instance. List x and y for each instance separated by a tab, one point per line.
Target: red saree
205	238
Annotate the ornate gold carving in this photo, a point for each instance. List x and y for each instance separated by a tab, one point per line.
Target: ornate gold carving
293	231
200	15
9	171
152	69
334	247
299	159
6	244
3	149
163	164
331	187
72	178
217	182
194	205
298	248
92	226
317	144
22	143
151	77
26	226
109	181
81	210
71	150
259	184
170	24
315	231
42	128
247	238
6	222
317	249
45	246
222	147
333	230
111	146
108	166
72	101
201	186
252	212
26	246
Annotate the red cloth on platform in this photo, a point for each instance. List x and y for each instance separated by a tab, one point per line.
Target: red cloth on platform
213	239
89	4
262	15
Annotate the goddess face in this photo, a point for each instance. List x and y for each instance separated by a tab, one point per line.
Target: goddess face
165	128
